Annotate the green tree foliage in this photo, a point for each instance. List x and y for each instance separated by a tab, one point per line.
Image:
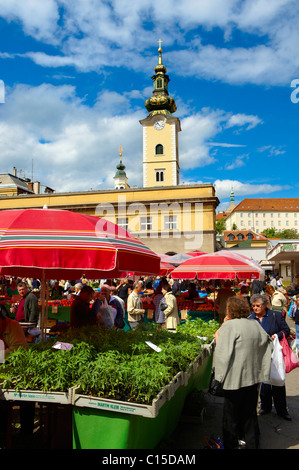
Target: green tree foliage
288	234
220	226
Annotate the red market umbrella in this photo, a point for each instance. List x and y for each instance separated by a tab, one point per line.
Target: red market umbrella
196	253
59	244
244	258
213	266
165	268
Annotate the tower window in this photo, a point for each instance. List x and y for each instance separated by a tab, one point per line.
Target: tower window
159	175
159	149
159	83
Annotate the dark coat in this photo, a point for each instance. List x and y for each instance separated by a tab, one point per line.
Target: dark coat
276	324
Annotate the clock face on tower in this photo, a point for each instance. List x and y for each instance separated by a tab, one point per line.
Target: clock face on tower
159	124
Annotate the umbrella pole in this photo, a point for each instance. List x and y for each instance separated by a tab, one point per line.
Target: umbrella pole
42	299
46	307
214	299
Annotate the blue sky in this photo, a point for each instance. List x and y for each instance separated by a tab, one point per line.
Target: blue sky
76	74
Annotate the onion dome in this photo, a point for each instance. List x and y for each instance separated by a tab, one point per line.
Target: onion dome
120	177
160	102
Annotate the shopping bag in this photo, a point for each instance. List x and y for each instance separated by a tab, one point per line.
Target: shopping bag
278	372
289	357
105	315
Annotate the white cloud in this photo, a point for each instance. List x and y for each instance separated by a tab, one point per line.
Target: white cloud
237	163
93	34
72	146
199	132
271	150
224	187
39	19
242	120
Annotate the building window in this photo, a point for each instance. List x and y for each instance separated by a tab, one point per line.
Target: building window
122	222
287	223
264	215
295	214
287	215
170	222
145	223
256	222
159	149
296	222
279	223
257	230
240	236
159	175
231	237
250	236
242	223
278	214
272	223
241	215
264	223
272	215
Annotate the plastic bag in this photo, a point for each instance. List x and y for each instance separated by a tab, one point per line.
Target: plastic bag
105	315
289	357
278	371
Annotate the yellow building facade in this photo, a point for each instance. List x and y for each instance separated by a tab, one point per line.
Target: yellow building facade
166	216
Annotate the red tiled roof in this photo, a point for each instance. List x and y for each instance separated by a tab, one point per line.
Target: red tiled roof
282	205
221	215
256	236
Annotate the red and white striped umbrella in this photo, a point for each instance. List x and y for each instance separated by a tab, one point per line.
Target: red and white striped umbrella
165	268
60	244
216	266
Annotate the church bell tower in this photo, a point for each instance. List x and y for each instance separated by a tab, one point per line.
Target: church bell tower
160	133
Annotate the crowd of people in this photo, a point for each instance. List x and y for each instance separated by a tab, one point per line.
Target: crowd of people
243	348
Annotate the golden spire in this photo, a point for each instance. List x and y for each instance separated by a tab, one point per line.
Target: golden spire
120	149
160	52
160	67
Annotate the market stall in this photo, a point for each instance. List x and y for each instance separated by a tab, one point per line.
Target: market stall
117	383
58	244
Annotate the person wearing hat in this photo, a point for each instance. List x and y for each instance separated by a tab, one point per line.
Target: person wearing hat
221	299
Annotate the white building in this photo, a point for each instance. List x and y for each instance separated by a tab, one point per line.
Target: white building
259	214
